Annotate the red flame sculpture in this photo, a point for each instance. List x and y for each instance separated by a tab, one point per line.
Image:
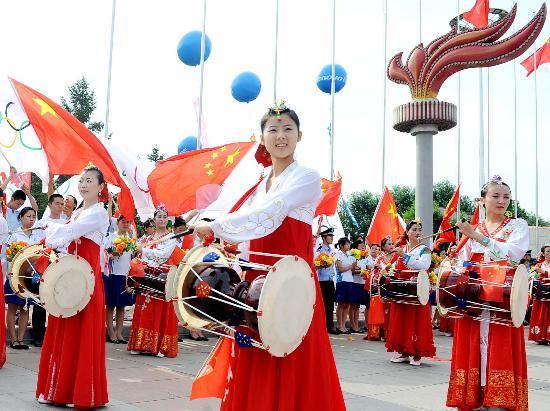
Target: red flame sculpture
427	68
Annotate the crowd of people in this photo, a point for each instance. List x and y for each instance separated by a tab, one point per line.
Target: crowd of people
348	276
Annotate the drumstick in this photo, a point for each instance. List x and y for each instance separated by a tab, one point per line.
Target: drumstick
167	237
438	233
21	230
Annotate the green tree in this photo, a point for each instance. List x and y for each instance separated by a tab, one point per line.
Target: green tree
155	154
81	103
362	204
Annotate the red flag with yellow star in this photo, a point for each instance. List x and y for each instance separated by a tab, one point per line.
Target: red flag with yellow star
331	194
449	236
68	144
385	221
193	179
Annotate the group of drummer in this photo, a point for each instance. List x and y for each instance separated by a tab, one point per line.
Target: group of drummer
482	373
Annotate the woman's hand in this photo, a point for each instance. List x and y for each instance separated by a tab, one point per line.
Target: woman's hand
139	248
466	229
399	251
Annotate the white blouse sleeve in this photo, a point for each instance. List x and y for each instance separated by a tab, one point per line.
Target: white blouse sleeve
420	260
89	221
4	229
161	253
515	246
266	215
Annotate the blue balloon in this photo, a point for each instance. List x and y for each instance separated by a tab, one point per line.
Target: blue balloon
325	78
187	144
246	87
189	48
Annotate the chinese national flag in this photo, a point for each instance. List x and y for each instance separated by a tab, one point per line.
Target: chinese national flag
68	144
331	194
475	217
212	378
541	56
493	274
193	179
449	236
385	220
479	14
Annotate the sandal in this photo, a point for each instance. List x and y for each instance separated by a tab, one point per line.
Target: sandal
15	345
23	346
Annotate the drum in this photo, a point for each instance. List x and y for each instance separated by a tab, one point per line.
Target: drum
541	290
374	284
415	290
461	292
62	285
277	307
151	280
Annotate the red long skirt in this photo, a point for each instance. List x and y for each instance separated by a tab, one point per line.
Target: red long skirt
446	324
2	321
307	378
154	327
539	326
72	363
375	321
506	385
411	330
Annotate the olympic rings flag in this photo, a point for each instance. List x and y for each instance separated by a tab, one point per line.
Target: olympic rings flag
19	144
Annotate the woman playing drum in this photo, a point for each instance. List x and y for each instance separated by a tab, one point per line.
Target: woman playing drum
155	325
410	334
489	365
539	326
72	363
276	217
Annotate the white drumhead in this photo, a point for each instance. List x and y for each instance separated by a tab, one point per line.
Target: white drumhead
15	266
67	286
286	305
184	276
443	267
423	287
519	295
169	287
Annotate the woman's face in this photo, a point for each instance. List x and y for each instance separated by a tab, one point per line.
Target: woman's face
346	247
415	232
497	199
149	230
280	137
89	186
388	246
546	254
161	219
361	247
28	220
374	250
123	224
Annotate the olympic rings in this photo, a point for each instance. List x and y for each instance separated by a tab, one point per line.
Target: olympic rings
17	131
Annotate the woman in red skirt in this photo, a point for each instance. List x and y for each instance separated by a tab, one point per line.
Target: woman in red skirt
489	363
3	231
155	325
379	313
539	326
411	325
275	217
72	363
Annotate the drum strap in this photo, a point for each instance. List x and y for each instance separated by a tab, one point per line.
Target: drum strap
246	195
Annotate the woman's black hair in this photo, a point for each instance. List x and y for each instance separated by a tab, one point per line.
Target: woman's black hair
158	210
384	242
544	247
409	226
342	242
98	173
179	222
486	186
24	211
149	223
356	243
375	245
272	113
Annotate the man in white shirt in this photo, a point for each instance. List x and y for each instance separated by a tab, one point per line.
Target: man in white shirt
14	206
55	208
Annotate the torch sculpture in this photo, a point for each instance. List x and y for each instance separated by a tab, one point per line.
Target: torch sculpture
425	71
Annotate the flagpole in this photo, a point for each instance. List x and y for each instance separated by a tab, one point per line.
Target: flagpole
384	103
419	21
332	90
458	121
201	87
109	70
481	133
488	122
536	153
515	138
276	51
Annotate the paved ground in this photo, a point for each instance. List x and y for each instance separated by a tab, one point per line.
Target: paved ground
369	380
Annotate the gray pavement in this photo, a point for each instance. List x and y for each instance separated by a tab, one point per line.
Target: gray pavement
369	380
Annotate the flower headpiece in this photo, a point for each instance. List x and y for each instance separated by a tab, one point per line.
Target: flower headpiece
278	108
496	179
161	207
417	221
